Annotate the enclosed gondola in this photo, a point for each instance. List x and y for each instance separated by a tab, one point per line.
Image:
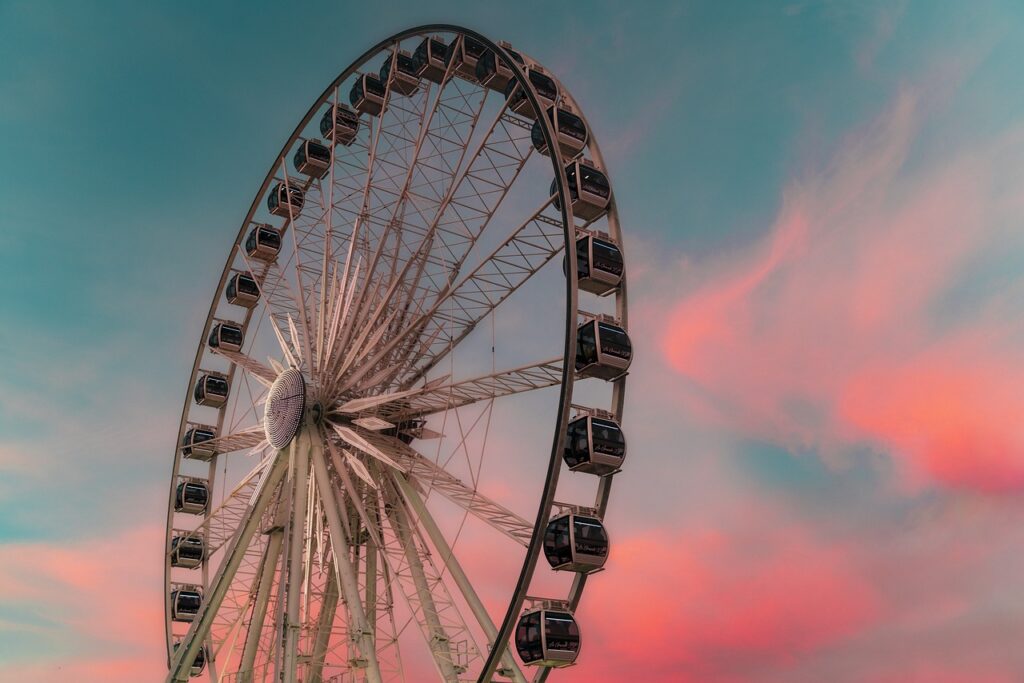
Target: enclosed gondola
603	349
242	290
263	243
211	390
312	158
403	78
576	543
570	133
599	264
339	124
367	95
547	93
226	337
187	551
198	664
588	189
194	444
547	637
285	201
594	445
493	73
465	52
191	497
185	603
431	57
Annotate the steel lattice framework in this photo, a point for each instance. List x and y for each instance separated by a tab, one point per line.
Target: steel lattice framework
321	561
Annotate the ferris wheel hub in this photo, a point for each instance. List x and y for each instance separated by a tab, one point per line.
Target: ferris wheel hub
285	408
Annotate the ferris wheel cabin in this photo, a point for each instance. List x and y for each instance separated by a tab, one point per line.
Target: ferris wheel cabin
405	80
547	637
603	350
185	603
547	92
242	290
192	443
227	337
339	124
594	445
493	73
313	159
570	133
191	497
599	264
431	58
187	552
367	95
588	189
285	201
198	664
576	543
263	243
211	390
466	52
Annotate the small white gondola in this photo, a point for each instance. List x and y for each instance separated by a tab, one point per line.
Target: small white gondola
227	337
603	349
192	496
431	57
185	603
570	133
194	444
576	542
547	92
263	243
187	551
198	664
465	52
367	95
588	189
242	290
492	72
339	124
594	444
548	636
599	264
403	77
285	201
312	158
211	389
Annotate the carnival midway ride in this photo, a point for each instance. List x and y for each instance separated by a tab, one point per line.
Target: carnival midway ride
335	381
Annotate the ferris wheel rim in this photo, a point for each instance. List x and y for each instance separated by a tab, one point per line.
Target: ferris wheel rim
569	229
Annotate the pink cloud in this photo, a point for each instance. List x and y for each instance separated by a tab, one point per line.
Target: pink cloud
830	333
718	605
101	597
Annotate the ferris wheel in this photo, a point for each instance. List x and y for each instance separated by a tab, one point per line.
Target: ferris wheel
330	516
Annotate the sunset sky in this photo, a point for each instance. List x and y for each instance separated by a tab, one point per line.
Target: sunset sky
823	209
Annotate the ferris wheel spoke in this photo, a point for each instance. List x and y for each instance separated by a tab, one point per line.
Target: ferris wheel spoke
264	588
434	477
323	629
482	184
466	207
208	612
518	258
419	509
466	392
448	638
348	583
258	370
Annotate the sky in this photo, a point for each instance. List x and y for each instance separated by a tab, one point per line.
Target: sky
822	206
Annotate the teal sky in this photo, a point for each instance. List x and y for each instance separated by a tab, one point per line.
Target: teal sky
133	136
